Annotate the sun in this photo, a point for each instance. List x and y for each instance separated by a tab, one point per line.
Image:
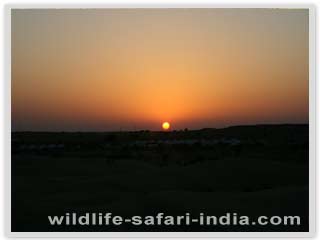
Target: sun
165	126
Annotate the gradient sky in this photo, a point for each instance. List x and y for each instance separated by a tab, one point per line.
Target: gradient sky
131	69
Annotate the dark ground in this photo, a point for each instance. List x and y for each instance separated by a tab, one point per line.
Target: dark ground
249	170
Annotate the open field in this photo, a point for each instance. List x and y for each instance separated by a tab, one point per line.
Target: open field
250	170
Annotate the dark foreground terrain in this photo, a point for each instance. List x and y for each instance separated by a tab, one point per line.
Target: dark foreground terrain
248	170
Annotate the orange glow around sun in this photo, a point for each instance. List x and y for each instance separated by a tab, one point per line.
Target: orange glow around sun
182	74
165	126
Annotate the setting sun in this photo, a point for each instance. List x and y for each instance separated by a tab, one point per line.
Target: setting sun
165	126
183	75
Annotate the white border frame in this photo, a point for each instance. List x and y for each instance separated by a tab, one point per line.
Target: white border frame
7	121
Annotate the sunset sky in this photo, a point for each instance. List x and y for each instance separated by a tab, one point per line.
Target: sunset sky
132	69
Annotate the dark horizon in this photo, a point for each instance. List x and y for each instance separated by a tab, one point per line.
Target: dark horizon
172	130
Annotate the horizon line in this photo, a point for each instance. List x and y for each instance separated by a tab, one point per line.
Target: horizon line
148	130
